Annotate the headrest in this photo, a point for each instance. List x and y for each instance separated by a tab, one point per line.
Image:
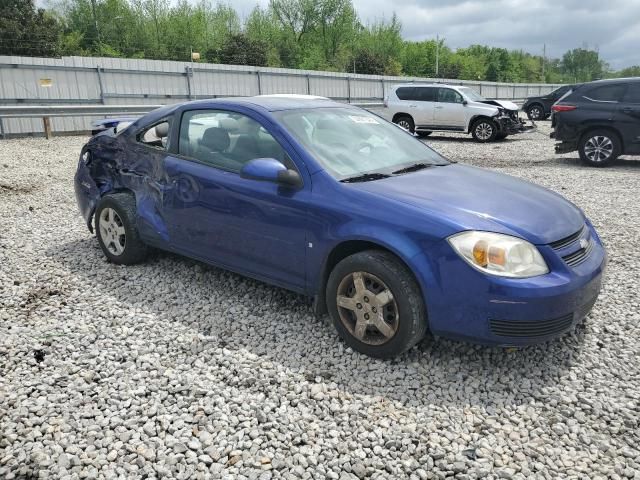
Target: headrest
216	139
162	129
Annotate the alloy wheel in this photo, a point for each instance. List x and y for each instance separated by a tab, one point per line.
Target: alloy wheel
598	148
404	124
484	131
112	232
367	308
535	113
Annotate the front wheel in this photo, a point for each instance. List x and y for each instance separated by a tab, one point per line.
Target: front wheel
117	231
484	130
599	148
376	304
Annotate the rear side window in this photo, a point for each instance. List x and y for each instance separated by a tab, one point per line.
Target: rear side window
606	93
405	93
633	93
425	94
559	92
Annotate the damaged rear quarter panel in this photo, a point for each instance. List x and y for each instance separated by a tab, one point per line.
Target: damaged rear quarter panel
115	163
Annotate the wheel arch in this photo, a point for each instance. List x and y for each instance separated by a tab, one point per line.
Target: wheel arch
91	219
401	114
475	118
348	247
592	127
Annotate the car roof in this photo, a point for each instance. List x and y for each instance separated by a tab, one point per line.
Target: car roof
271	103
422	85
614	80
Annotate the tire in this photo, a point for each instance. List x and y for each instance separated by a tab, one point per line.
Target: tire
406	122
536	112
599	148
117	231
424	133
484	130
402	314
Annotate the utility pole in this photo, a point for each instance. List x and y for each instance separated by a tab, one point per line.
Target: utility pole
95	20
437	54
544	60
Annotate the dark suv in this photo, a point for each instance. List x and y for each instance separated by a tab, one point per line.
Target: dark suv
599	119
539	108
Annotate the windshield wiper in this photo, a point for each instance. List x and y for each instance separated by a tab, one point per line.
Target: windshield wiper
365	177
412	168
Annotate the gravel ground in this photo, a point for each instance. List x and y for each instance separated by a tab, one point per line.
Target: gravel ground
174	369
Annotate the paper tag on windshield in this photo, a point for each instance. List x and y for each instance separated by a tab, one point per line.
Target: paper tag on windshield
363	119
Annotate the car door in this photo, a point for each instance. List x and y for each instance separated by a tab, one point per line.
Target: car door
424	98
255	228
628	118
449	111
146	152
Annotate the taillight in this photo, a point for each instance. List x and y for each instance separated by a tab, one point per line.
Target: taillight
563	108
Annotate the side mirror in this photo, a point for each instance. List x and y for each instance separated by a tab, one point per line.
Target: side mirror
271	170
465	103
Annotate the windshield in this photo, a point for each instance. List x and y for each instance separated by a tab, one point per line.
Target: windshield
349	141
471	94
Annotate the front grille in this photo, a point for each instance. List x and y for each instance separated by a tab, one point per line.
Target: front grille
579	256
542	328
565	242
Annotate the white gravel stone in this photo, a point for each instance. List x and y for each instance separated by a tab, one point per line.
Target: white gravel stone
175	369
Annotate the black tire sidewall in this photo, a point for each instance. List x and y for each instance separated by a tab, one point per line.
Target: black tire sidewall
617	147
412	314
412	125
494	132
134	249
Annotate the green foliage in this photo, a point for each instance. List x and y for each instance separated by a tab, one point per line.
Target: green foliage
308	34
239	49
27	30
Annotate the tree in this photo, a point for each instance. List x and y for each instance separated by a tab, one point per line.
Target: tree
238	49
583	65
368	62
27	30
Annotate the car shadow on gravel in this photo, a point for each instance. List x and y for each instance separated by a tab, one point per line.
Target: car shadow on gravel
279	326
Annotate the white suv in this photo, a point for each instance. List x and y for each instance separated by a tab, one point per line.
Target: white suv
424	108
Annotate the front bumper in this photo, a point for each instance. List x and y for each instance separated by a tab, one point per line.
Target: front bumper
511	126
465	304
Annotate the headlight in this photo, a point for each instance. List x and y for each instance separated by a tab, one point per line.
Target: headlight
499	254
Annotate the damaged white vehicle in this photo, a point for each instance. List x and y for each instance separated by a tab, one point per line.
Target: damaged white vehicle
426	108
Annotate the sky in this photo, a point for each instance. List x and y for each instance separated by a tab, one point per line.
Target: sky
610	26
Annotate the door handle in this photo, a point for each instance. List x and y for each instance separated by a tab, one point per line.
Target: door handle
439	108
628	110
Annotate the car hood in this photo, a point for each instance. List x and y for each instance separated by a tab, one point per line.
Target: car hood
502	103
470	198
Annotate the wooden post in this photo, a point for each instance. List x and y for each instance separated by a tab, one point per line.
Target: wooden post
46	122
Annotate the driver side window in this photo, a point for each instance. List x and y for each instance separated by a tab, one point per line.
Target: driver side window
226	140
446	95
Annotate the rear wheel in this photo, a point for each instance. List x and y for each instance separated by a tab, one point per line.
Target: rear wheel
536	112
484	130
376	304
117	231
599	148
406	122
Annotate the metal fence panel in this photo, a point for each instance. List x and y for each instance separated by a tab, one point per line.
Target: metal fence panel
120	81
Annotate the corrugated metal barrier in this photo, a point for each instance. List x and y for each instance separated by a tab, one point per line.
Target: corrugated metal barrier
117	81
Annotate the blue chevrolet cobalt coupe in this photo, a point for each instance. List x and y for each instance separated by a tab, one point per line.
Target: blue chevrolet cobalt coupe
321	198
